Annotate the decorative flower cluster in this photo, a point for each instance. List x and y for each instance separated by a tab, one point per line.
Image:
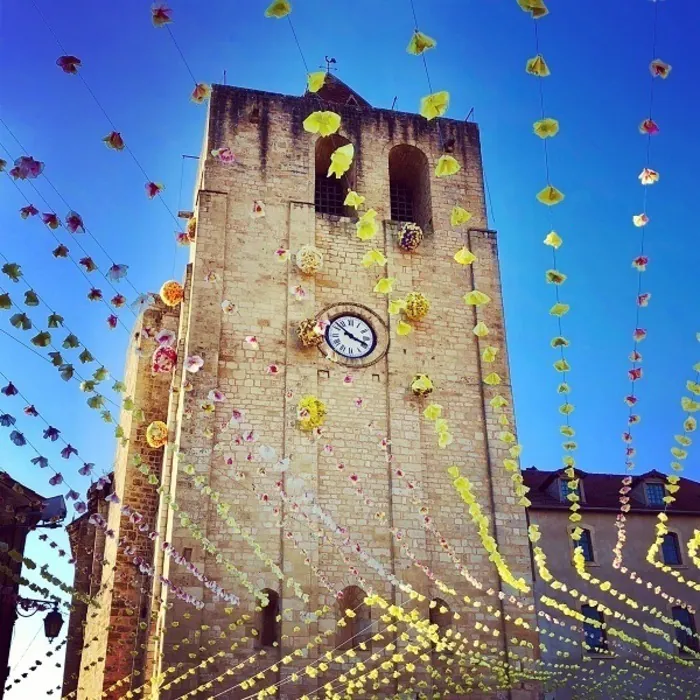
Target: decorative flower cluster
309	259
310	333
410	236
311	413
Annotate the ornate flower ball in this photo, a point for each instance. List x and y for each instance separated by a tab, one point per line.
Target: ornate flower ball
410	237
172	293
157	434
417	306
309	259
310	333
422	385
164	359
311	413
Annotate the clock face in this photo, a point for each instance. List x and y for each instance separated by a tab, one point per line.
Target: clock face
350	336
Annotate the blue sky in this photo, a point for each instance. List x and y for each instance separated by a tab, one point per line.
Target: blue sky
598	90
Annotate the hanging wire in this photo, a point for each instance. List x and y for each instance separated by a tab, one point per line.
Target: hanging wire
296	40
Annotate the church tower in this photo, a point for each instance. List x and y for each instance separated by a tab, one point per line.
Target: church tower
312	520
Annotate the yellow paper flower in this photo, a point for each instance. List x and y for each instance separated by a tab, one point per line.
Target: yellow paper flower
157	434
373	257
550	196
546	128
489	354
464	256
367	225
385	285
433	411
422	385
446	166
445	439
481	330
559	309
324	123
552	239
403	328
492	379
537	66
536	8
555	277
476	298
435	105
396	306
353	199
341	160
172	293
278	9
459	216
314	81
420	43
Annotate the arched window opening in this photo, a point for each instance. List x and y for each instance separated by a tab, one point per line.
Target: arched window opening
671	549
685	634
409	186
330	192
268	625
594	634
357	629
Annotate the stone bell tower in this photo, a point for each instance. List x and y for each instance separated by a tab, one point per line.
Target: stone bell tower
262	196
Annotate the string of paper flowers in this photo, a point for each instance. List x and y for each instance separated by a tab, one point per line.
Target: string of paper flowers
545	128
647	177
38	663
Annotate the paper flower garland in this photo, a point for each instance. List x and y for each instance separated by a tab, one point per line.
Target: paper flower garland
311	413
310	333
309	259
422	385
410	237
323	123
157	434
417	306
172	293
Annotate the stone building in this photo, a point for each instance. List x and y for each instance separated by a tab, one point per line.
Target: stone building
637	578
234	428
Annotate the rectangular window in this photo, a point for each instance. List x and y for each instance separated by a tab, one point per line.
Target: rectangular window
401	202
594	635
685	636
671	549
564	490
586	544
330	195
655	494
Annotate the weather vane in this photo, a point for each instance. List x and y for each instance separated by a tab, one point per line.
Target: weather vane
329	64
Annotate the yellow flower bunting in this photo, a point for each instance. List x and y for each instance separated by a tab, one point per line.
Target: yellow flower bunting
385	285
464	256
341	160
278	9
354	200
537	66
555	277
323	123
373	257
489	354
550	196
446	166
420	43
433	411
396	306
481	330
559	309
492	379
367	228
476	298
546	128
459	216
435	105
315	81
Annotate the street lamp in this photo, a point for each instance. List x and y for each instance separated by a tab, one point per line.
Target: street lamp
52	624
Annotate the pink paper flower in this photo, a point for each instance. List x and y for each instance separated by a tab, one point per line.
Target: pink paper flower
640	263
359	401
252	341
161	15
165	337
26	168
236	415
649	127
273	369
69	64
56	479
224	155
635	374
258	209
112	321
298	292
216	396
347	379
117	301
639	334
328	449
631	400
164	359
228	307
643	299
51	220
282	254
194	363
117	272
74	222
153	189
29	210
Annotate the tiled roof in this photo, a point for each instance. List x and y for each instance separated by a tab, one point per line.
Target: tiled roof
601	492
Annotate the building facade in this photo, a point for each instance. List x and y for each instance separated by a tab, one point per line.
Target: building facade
660	597
313	520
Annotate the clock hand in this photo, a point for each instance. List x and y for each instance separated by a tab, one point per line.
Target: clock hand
357	340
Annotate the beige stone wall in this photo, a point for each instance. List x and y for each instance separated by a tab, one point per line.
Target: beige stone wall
558	547
233	259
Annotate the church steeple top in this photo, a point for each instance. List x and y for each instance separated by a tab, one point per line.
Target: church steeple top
336	91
